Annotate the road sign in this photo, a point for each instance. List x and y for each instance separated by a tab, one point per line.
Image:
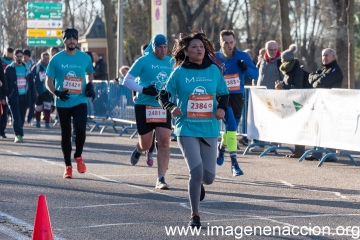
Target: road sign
44	32
44	6
44	42
44	23
44	15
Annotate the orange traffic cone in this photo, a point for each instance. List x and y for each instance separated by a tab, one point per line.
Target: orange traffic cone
42	225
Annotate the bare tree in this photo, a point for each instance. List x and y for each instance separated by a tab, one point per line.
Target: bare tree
351	47
110	36
285	38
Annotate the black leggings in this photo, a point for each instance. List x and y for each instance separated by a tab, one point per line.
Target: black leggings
79	114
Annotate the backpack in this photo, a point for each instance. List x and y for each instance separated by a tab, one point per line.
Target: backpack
306	83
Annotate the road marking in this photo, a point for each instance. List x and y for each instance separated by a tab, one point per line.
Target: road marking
21	223
11	233
119	204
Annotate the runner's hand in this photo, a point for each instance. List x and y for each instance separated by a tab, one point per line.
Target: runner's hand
63	96
89	91
242	65
150	90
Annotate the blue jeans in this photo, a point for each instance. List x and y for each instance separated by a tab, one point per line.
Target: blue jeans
18	112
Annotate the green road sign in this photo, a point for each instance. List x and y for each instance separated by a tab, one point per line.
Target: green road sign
44	6
44	42
44	15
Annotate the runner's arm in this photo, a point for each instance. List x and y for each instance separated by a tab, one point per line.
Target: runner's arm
129	81
50	84
90	78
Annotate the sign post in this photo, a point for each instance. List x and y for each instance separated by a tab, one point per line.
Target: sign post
158	17
44	23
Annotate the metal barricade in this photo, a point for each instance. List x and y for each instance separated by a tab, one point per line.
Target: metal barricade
121	106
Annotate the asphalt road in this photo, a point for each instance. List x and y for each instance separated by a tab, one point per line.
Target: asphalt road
276	198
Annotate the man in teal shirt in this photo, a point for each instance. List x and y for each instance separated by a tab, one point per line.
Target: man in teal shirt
151	72
67	70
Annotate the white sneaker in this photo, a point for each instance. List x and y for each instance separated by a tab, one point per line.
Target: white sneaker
161	184
257	149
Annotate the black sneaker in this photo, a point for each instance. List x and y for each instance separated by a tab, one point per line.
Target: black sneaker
3	136
135	156
202	193
195	222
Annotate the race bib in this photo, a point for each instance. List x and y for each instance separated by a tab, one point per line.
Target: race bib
21	83
42	76
232	81
47	105
73	84
200	106
155	115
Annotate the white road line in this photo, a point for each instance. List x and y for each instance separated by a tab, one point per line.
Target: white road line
120	204
19	222
11	233
338	194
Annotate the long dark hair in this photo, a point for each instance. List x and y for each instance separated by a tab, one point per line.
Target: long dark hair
183	42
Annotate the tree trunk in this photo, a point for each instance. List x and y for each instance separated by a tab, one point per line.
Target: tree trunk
351	48
342	38
285	38
110	36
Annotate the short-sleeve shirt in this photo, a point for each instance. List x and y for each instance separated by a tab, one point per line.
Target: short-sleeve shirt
185	83
63	67
149	70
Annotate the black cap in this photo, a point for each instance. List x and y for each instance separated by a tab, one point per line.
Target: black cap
70	32
27	52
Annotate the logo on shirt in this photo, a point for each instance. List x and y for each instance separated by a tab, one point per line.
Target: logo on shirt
199	91
198	79
160	67
71	74
70	66
161	80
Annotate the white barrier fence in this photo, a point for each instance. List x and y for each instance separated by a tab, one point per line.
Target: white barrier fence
314	117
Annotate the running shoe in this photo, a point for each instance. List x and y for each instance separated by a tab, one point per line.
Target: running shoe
149	159
80	165
220	156
18	139
47	125
135	156
3	136
195	222
202	193
38	124
161	184
68	172
235	169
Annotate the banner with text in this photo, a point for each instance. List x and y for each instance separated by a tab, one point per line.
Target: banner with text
313	117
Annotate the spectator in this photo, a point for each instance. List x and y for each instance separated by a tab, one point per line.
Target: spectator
269	71
100	69
293	78
330	76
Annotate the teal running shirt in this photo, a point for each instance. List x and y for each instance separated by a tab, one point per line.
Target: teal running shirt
69	71
196	91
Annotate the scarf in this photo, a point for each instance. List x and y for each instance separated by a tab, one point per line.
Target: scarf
287	66
205	64
268	59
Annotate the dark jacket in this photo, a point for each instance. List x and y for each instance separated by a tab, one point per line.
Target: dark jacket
330	76
100	70
4	87
35	72
12	91
294	78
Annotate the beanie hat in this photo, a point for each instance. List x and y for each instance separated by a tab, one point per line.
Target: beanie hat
27	52
158	40
289	54
70	32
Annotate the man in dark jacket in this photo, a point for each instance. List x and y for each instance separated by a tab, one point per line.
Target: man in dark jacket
21	92
100	69
3	106
330	76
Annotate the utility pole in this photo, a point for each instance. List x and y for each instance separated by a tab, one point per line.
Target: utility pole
120	25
